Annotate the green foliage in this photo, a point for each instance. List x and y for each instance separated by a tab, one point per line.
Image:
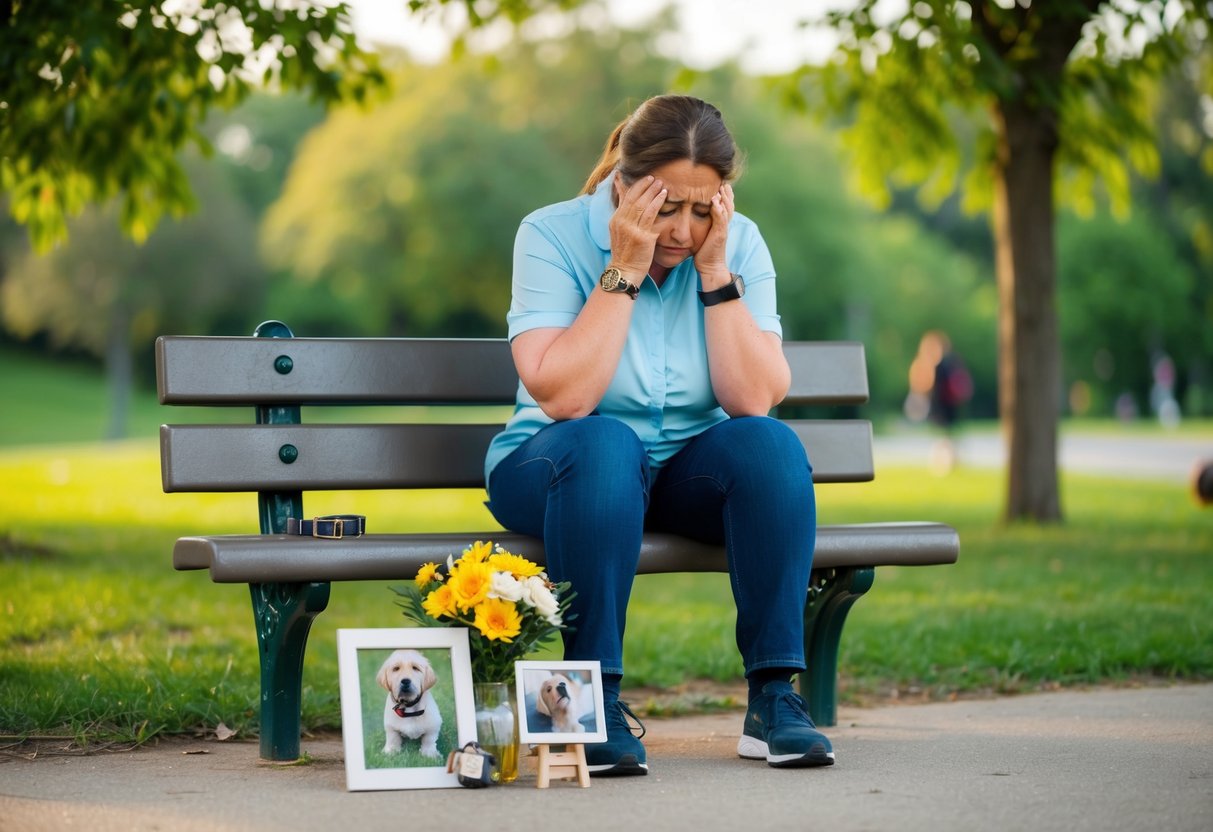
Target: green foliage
906	82
1049	85
413	234
101	287
482	12
1123	298
256	143
99	98
844	272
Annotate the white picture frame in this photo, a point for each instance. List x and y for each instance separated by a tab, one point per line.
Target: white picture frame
369	659
573	716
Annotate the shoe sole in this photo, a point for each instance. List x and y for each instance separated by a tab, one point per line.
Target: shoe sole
625	766
752	748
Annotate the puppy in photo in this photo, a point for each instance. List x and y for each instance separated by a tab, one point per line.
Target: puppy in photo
560	698
410	711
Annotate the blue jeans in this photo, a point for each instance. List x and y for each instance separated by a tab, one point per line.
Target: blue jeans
585	487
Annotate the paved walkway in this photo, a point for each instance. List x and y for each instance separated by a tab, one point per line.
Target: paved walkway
1107	760
1165	457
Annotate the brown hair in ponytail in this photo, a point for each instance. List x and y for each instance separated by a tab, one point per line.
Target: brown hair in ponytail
664	129
610	158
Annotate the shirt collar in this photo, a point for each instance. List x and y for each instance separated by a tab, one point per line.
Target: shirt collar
601	209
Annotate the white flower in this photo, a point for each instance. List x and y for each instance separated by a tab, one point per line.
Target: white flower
506	587
542	599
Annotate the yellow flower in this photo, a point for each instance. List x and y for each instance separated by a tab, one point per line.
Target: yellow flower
428	573
440	602
478	552
497	620
516	565
470	584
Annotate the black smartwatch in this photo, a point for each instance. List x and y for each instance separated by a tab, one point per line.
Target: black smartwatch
730	291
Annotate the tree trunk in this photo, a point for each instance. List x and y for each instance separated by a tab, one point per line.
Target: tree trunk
1029	371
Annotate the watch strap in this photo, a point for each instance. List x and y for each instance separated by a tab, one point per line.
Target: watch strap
732	290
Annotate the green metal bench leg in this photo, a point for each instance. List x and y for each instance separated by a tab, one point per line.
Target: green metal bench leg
830	598
283	614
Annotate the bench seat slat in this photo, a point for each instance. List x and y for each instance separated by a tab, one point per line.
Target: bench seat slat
214	458
283	558
208	370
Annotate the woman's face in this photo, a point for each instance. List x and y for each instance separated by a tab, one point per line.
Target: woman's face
686	217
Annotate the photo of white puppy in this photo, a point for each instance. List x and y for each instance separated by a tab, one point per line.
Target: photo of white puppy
410	711
560	702
560	698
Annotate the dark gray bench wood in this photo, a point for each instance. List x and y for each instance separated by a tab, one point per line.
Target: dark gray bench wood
279	458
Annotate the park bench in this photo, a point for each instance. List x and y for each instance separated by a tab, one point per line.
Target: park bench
279	458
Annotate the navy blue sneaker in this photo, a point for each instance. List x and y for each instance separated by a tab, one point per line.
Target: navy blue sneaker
778	729
623	753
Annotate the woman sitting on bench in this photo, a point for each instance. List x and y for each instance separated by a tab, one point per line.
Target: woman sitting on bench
644	331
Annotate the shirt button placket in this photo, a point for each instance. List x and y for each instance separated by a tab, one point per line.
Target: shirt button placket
657	363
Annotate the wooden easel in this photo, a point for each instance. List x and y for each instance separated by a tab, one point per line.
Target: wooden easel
562	765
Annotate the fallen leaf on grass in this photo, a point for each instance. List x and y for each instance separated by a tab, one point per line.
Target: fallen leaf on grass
222	732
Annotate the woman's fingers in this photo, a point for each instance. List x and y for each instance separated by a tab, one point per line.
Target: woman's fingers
639	197
725	198
640	203
649	214
632	233
710	256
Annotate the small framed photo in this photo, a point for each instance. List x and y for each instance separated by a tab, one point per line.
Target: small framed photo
406	703
560	703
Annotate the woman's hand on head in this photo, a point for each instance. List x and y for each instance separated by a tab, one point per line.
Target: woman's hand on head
633	237
710	259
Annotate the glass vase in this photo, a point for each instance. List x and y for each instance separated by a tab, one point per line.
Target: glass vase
497	726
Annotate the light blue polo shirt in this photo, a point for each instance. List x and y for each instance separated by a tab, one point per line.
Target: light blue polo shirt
661	388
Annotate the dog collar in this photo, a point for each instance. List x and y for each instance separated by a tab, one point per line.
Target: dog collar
399	710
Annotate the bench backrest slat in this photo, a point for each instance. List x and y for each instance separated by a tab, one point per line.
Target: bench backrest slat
368	456
241	371
205	370
402	371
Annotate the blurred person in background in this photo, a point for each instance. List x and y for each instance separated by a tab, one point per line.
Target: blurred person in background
940	385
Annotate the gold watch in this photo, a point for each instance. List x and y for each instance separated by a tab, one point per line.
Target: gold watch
612	281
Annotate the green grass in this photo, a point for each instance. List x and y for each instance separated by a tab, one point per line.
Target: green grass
1121	591
100	639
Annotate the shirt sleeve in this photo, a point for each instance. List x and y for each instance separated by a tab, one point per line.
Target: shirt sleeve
545	290
752	260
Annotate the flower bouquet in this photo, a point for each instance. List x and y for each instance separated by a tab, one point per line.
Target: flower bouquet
507	603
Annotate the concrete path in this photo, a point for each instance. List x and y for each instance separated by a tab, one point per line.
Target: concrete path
1106	760
1159	457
